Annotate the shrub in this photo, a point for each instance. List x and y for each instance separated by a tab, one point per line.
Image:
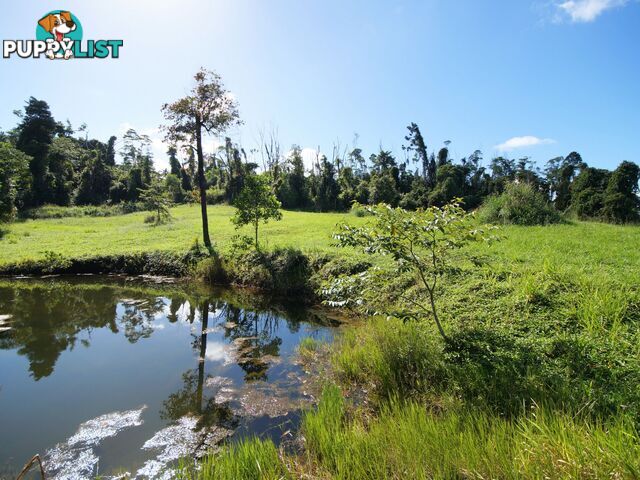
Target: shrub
358	211
519	204
55	211
212	270
282	271
216	196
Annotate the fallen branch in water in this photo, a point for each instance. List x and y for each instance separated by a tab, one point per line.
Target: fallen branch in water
28	466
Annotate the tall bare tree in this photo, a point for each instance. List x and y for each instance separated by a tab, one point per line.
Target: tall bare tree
209	109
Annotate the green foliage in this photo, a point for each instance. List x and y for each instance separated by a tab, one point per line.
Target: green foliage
621	202
256	203
549	318
155	198
55	211
169	264
35	135
213	270
519	204
95	180
587	192
560	173
14	178
324	187
281	271
418	146
382	189
450	184
294	191
173	187
66	157
216	196
420	242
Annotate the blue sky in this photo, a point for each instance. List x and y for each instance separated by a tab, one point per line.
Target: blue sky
536	78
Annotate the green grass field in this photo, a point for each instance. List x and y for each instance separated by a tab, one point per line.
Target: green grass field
591	247
85	236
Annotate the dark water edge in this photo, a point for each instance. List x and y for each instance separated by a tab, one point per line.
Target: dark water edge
102	375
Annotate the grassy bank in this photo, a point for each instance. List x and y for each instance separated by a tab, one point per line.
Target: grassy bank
75	237
405	440
540	377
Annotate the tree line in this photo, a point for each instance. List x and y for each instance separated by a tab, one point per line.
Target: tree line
44	161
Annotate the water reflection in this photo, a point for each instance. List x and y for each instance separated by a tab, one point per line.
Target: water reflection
190	399
206	363
49	318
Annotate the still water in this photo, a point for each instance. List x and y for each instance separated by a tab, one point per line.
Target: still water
102	376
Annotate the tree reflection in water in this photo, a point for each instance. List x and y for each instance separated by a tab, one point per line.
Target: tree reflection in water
48	318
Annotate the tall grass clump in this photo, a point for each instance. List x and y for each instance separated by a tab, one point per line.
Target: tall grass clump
250	459
399	358
519	204
406	440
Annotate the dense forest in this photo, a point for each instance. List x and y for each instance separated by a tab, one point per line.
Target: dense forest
44	161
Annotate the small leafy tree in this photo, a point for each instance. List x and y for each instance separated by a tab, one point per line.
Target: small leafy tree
256	203
420	242
156	199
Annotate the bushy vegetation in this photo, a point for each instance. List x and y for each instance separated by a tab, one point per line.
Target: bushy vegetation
256	204
550	316
285	271
56	211
53	163
519	204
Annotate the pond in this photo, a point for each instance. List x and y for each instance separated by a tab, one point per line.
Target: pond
102	376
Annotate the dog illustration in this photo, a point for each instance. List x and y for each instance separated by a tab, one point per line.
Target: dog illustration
58	25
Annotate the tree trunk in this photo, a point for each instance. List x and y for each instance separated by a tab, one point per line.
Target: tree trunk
202	357
435	315
202	184
256	227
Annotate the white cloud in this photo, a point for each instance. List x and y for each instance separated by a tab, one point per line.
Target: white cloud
516	143
588	10
217	352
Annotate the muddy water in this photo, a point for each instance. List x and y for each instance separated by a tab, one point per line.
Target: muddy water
102	376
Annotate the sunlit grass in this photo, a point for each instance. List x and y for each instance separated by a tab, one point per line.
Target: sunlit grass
408	441
249	459
86	236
